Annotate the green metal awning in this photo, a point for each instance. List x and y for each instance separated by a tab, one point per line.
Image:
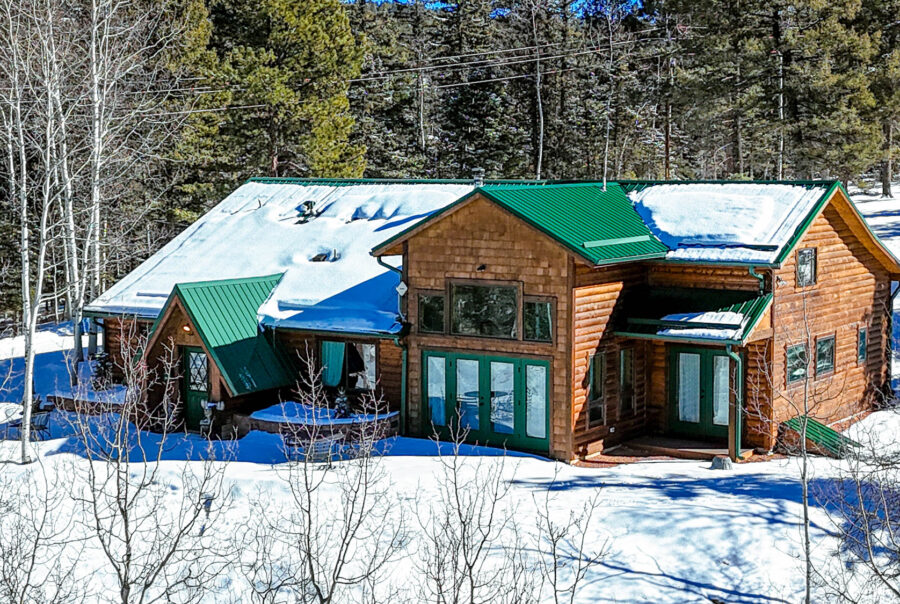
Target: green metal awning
692	314
829	441
224	315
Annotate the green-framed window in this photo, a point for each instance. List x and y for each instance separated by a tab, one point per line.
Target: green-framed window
596	402
537	320
626	380
797	360
484	310
862	344
824	355
806	267
431	312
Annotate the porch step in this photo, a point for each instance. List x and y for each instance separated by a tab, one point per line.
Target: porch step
682	448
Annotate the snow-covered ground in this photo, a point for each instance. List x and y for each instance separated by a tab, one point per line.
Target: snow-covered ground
671	531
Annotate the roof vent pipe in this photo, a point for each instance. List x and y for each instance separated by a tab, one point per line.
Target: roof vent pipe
478	177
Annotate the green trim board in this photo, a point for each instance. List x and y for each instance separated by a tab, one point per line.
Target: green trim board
224	315
597	225
828	439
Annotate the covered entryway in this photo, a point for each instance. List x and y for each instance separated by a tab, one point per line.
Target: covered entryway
500	401
700	391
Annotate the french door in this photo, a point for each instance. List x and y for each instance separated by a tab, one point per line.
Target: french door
700	391
499	401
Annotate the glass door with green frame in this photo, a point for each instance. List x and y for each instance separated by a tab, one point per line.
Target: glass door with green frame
196	385
499	401
700	391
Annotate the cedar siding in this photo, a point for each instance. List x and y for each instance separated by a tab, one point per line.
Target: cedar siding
480	233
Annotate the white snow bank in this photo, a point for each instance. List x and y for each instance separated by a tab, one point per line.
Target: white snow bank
879	431
258	230
292	412
52	337
730	222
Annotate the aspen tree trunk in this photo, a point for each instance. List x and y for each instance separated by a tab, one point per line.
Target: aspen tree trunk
887	168
98	59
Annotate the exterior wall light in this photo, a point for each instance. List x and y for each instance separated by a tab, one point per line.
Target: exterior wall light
186	328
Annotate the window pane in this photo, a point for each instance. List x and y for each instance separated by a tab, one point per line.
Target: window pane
199	371
538	321
626	379
502	397
596	403
437	390
824	355
480	310
806	267
861	345
536	401
431	313
689	387
796	363
721	389
467	393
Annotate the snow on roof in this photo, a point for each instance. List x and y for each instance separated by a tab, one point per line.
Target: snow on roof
259	230
725	222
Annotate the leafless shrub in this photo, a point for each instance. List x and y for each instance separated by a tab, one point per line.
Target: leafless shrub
37	552
470	540
151	522
564	554
341	528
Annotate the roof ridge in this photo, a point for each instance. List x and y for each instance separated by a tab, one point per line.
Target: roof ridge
229	281
386	181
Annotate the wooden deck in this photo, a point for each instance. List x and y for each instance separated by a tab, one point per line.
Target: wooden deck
681	448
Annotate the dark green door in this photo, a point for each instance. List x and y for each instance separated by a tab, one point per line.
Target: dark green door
700	391
196	385
498	401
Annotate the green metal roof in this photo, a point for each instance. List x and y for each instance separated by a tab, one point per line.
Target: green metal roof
829	440
598	225
646	308
224	315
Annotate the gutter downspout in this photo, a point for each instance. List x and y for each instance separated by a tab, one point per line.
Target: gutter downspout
761	278
404	353
734	447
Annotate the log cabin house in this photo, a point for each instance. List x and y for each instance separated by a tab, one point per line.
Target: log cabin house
559	318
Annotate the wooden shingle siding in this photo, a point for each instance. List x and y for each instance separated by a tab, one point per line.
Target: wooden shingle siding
480	233
851	290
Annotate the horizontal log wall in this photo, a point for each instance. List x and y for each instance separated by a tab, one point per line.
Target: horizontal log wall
852	290
123	337
597	302
480	233
710	277
298	346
